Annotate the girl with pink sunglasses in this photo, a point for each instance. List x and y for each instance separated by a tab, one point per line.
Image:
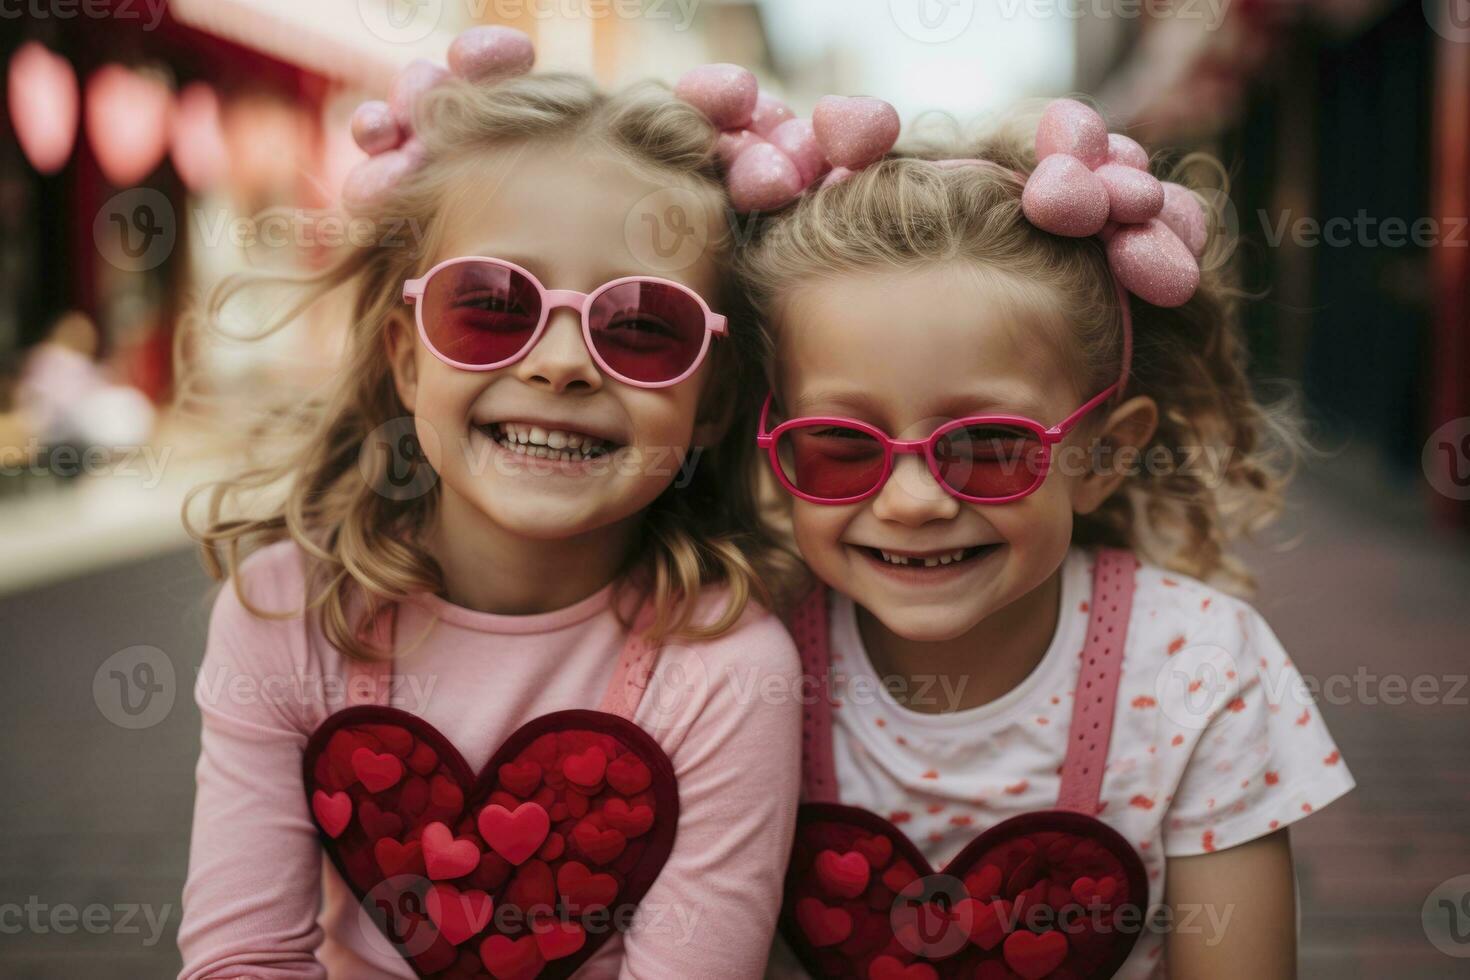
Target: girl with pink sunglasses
1009	410
478	703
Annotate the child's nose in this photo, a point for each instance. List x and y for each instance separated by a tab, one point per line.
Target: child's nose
560	360
912	496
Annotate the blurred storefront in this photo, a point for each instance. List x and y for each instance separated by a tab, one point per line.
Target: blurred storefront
142	142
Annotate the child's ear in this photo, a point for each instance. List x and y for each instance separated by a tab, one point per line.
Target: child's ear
401	342
1124	435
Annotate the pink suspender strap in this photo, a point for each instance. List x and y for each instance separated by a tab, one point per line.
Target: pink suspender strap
1097	683
812	633
633	670
370	682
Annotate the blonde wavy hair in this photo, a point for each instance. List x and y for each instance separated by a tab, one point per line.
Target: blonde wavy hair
903	212
362	547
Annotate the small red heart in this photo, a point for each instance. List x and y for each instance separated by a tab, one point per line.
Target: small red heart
511	959
333	812
445	856
878	850
556	939
423	760
888	968
555	847
584	890
514	836
377	770
823	926
458	914
399	859
987	922
842	875
1034	956
532	890
601	846
630	821
899	877
585	769
444	795
377	824
1085	890
393	738
628	775
520	778
984	883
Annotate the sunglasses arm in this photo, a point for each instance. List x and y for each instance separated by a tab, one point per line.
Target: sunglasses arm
1059	431
413	289
763	437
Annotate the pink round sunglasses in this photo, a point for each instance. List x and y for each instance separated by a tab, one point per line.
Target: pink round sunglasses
981	459
479	314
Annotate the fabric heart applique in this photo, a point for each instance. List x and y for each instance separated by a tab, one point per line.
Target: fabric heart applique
1053	893
519	872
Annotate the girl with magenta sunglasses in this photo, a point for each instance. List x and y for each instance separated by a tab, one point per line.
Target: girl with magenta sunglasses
1045	735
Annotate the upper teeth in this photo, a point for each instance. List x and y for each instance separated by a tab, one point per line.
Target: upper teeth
929	562
517	434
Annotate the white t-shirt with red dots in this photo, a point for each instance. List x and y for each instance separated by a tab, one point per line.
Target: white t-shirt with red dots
1215	738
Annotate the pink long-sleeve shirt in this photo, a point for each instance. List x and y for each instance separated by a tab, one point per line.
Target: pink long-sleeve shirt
262	901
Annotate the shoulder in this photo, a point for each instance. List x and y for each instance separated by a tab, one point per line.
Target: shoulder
756	639
264	599
1168	607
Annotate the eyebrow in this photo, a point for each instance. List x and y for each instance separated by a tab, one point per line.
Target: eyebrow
864	406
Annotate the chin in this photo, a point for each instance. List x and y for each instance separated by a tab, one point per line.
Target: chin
922	624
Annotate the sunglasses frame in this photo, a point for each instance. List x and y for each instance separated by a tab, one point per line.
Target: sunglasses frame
922	447
551	299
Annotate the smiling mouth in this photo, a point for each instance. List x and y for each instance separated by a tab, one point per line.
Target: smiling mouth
930	560
543	443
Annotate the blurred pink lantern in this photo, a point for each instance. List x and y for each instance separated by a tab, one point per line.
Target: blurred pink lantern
43	104
127	122
197	147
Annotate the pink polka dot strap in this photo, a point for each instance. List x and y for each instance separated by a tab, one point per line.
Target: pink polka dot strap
1097	684
810	630
371	682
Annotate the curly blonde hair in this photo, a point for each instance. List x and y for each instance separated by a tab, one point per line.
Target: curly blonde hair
903	212
362	547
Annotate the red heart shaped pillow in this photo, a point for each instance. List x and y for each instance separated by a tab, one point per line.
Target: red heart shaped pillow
521	871
1054	894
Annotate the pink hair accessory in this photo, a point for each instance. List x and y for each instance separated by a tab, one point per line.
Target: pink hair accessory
854	131
770	156
384	130
1090	182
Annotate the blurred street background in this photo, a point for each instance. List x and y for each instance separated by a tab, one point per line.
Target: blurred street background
142	138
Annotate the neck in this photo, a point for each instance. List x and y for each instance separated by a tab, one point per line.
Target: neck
974	668
490	569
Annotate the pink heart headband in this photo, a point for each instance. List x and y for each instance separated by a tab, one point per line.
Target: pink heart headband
385	129
770	156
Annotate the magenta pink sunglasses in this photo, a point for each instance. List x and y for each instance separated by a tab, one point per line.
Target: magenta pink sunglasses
982	459
479	314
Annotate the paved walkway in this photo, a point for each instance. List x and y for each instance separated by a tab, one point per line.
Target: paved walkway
96	813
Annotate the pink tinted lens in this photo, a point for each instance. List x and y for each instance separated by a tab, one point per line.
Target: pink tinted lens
480	313
830	462
989	461
647	331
